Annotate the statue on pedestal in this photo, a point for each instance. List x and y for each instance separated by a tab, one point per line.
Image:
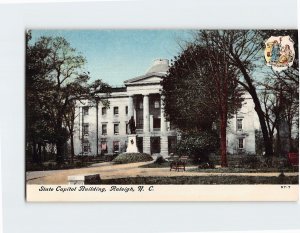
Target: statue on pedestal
131	124
132	146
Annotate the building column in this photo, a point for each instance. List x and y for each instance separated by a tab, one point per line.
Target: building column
146	114
146	123
130	106
146	144
164	148
163	122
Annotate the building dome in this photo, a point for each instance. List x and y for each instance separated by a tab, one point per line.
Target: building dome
159	66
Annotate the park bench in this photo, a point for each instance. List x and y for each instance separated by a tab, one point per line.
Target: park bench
294	159
178	163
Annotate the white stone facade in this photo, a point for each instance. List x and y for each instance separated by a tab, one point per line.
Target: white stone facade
241	129
111	126
141	99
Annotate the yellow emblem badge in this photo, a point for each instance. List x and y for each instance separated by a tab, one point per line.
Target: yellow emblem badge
279	52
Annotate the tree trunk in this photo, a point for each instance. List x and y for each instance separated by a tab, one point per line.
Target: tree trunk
223	143
292	147
59	141
283	132
278	142
59	145
40	152
44	153
97	131
34	152
252	91
290	137
59	151
72	148
267	141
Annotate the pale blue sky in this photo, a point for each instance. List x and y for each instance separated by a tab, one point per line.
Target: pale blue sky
118	55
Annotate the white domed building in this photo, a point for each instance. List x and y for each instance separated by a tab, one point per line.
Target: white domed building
106	132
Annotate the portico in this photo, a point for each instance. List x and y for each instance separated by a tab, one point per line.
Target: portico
141	99
148	112
145	103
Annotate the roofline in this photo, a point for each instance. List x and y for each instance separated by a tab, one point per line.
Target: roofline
142	84
144	76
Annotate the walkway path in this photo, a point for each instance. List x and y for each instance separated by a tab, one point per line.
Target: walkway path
110	170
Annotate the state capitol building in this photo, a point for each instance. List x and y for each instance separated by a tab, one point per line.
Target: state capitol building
101	130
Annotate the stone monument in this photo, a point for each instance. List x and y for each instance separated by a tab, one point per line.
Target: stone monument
131	145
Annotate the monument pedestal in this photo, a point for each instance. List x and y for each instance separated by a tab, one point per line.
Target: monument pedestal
131	145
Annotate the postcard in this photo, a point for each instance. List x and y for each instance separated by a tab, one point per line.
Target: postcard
162	115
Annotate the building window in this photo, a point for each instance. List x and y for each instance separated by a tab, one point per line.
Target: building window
126	127
86	146
116	110
126	110
104	111
116	128
85	128
156	123
116	146
85	111
239	124
241	143
141	105
104	129
156	104
139	122
103	147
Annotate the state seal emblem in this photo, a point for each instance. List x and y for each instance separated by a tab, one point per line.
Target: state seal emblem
279	52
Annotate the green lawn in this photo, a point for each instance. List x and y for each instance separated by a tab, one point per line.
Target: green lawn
220	170
240	170
203	180
164	164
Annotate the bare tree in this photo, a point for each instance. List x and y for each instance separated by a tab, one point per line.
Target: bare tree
280	103
223	76
243	50
62	69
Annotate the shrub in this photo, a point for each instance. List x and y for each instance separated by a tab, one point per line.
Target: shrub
250	161
54	166
207	165
79	164
132	158
160	160
280	162
198	146
108	157
34	167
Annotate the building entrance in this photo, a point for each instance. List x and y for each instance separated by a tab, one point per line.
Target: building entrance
155	145
139	143
172	142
